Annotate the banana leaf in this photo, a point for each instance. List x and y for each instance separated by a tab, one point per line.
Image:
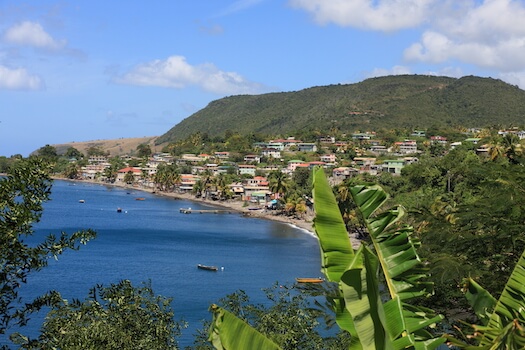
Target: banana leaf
396	248
227	332
507	322
360	287
405	275
336	249
482	302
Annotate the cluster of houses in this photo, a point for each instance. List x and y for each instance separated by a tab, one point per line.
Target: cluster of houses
392	160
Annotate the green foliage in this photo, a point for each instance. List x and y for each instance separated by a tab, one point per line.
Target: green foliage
116	317
291	318
503	320
374	324
409	101
48	152
22	194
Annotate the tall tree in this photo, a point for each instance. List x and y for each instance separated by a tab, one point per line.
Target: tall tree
119	316
22	193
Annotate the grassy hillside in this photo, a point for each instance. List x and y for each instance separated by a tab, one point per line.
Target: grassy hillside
118	147
409	101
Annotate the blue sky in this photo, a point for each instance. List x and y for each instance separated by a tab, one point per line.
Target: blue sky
86	70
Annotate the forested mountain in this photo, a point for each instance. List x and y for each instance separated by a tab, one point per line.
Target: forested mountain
408	101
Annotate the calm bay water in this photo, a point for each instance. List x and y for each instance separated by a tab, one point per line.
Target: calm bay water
151	240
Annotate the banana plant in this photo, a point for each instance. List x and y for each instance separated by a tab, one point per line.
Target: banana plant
227	331
374	324
502	320
357	302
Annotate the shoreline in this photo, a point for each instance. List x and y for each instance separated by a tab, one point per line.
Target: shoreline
305	224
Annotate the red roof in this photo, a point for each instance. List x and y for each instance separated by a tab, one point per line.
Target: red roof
128	169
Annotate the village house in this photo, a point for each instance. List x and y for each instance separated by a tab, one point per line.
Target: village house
256	190
438	140
394	166
405	147
187	181
292	164
342	173
327	139
247	169
252	158
379	149
306	147
222	155
93	171
137	174
97	159
271	153
328	158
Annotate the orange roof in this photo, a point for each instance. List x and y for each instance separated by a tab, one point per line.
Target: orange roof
128	169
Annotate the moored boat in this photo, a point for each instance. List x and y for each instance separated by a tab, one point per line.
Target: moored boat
207	267
309	280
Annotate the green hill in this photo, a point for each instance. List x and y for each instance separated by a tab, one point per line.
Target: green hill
409	101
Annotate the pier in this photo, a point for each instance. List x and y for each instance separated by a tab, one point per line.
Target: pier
204	211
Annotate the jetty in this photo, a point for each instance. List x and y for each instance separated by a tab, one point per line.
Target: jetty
204	211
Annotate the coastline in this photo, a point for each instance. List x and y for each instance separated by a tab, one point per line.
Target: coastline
305	223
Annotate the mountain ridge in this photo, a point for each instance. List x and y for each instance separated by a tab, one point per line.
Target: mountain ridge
401	101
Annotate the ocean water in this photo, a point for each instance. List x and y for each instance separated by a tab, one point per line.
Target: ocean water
151	240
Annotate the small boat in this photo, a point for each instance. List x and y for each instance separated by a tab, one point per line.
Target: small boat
119	210
309	280
81	201
185	210
206	267
140	198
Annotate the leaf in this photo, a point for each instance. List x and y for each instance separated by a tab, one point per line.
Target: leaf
227	332
480	299
507	322
405	275
336	248
361	291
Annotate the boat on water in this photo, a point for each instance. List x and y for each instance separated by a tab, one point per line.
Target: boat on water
207	267
140	199
81	201
119	210
309	280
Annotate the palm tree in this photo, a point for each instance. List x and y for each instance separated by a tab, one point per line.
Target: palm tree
278	182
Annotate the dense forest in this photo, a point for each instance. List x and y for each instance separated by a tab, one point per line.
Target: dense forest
393	102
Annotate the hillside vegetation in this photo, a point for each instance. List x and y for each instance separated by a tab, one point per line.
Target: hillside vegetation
409	101
116	147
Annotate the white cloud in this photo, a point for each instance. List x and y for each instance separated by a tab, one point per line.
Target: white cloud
381	72
175	72
383	15
18	79
489	35
516	78
32	34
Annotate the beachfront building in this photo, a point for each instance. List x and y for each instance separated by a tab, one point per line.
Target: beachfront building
136	172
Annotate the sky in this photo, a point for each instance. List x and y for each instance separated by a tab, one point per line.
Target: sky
90	69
